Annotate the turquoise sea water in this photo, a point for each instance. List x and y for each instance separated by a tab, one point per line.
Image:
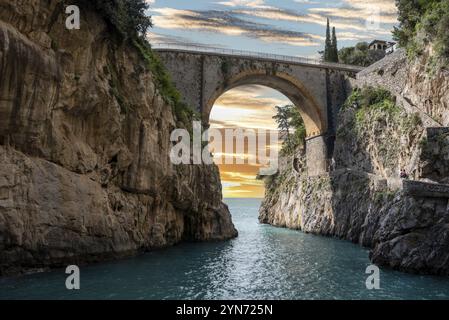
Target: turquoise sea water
263	263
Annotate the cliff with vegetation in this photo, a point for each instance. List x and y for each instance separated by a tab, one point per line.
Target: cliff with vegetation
362	199
395	119
85	123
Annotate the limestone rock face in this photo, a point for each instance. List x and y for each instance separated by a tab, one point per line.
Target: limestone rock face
429	89
85	171
406	233
424	86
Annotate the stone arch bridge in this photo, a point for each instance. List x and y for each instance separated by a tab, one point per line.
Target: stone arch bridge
203	74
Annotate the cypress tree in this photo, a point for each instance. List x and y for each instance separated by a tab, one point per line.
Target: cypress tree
328	44
334	46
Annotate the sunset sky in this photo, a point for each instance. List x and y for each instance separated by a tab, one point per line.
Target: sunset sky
249	107
287	27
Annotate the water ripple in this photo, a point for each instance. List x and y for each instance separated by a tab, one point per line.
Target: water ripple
263	263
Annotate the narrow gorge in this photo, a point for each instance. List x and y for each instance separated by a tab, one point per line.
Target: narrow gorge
85	123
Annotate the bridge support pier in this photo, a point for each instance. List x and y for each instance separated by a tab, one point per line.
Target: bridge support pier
317	156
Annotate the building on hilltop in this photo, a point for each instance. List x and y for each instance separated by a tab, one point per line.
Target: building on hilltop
386	46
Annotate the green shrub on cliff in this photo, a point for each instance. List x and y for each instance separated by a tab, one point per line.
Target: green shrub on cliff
423	22
127	17
291	127
374	126
376	97
157	68
163	81
372	104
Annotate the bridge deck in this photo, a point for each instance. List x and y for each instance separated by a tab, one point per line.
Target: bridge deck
254	55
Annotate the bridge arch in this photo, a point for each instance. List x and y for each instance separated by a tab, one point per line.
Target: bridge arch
293	89
317	88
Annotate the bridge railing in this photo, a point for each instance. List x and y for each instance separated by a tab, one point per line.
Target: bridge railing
251	54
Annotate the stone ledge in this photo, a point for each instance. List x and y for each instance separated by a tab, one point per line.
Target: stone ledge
425	189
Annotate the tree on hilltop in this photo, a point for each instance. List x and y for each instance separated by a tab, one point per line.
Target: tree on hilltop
330	46
328	43
334	47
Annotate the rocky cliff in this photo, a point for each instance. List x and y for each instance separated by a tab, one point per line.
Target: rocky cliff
381	130
85	172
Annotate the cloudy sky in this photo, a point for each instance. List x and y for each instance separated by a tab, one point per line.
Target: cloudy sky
287	27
